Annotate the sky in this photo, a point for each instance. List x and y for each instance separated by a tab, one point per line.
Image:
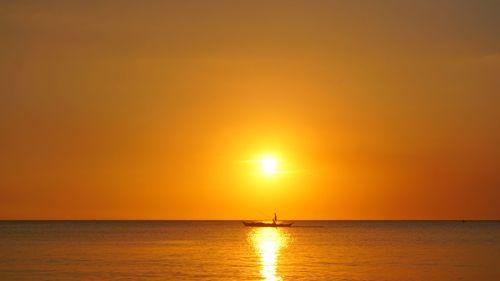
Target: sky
162	109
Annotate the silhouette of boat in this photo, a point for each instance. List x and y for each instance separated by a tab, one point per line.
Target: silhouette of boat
274	223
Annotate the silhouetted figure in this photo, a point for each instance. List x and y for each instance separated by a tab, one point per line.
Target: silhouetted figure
275	223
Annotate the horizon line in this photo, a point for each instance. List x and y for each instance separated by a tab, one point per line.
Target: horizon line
239	220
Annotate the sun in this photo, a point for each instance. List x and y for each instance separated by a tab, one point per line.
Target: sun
269	165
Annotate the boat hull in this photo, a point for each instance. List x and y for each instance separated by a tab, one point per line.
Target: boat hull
265	224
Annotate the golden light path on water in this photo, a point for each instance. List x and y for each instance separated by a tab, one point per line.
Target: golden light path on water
267	242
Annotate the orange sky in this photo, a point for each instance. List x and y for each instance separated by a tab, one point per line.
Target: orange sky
151	110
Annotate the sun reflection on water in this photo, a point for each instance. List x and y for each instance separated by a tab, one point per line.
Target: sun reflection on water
268	242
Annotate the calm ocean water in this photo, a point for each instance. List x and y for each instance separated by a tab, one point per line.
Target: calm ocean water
225	250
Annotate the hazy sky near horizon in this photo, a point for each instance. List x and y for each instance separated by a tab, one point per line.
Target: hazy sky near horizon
152	109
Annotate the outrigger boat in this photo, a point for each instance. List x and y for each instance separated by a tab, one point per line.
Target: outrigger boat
275	223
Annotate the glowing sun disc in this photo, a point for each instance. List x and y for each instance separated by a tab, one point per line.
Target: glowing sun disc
269	165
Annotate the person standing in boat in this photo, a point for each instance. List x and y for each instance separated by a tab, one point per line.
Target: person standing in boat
275	220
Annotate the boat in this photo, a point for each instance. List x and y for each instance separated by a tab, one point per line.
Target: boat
274	223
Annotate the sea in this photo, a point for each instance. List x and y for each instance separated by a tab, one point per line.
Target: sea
226	250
